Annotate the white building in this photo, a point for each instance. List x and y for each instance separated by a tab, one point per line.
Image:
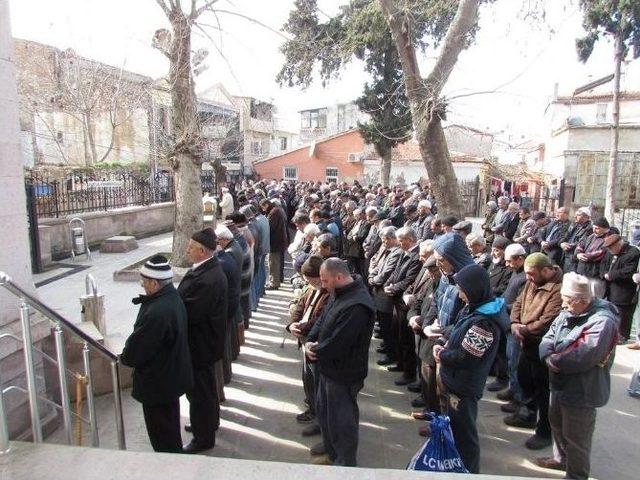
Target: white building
323	122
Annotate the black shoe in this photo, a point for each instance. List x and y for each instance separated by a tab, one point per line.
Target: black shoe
418	402
317	449
376	330
377	335
402	381
505	396
520	421
187	428
311	430
537	442
385	361
497	385
381	349
305	417
193	447
394	368
512	407
415	387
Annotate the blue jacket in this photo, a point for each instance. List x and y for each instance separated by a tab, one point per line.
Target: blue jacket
473	343
447	305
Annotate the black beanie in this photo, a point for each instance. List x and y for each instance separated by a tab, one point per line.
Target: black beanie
602	223
206	238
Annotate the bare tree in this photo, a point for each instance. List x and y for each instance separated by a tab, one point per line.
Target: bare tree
55	86
427	106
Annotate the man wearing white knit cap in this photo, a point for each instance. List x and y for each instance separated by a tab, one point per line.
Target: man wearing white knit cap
158	351
578	349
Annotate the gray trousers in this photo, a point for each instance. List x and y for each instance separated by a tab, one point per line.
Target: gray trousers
275	268
338	415
572	429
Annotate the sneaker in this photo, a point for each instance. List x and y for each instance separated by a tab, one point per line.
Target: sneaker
505	396
497	385
537	442
549	462
394	368
520	421
511	407
418	402
305	417
311	430
415	387
317	449
322	460
423	415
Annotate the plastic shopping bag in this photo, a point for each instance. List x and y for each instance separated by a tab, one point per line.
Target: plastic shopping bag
439	453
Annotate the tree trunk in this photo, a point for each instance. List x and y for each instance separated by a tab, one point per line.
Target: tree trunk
427	108
90	138
185	157
385	169
610	199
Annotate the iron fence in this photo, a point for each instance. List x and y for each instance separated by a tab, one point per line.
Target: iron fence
93	192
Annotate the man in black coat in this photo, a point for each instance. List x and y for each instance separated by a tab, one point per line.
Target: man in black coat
577	232
339	343
617	269
232	272
396	214
204	293
158	352
402	277
555	235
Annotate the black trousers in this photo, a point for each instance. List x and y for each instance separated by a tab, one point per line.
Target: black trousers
533	378
204	406
405	342
626	319
309	382
338	416
385	321
163	426
463	413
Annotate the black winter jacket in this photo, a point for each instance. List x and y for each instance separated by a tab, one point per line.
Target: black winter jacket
621	289
204	293
343	333
158	349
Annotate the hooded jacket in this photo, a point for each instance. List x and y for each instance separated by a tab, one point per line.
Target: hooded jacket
582	347
472	346
447	305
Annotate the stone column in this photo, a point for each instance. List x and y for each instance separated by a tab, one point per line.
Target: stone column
15	255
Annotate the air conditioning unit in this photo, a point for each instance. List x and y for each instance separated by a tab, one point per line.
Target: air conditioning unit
354	158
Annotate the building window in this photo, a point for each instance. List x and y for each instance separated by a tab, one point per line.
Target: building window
290	173
60	138
314	118
601	114
255	148
331	174
342	120
283	143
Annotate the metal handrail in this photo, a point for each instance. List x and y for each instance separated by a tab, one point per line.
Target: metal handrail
8	283
61	323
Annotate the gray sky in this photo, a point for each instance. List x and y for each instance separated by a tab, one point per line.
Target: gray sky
521	58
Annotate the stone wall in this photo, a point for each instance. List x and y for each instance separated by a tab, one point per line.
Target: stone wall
55	237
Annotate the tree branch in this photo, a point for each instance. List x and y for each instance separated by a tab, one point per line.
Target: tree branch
455	41
195	13
164	7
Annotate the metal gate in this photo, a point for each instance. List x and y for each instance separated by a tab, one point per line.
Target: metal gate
32	219
469	191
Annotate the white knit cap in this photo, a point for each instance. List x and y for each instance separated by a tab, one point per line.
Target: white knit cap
575	286
584	211
514	250
424	203
223	232
157	268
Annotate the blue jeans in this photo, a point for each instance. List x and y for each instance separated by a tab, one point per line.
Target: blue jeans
513	356
260	279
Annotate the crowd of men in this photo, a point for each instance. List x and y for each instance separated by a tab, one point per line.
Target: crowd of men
538	303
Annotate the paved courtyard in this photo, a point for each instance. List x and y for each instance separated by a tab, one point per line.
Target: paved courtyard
266	392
